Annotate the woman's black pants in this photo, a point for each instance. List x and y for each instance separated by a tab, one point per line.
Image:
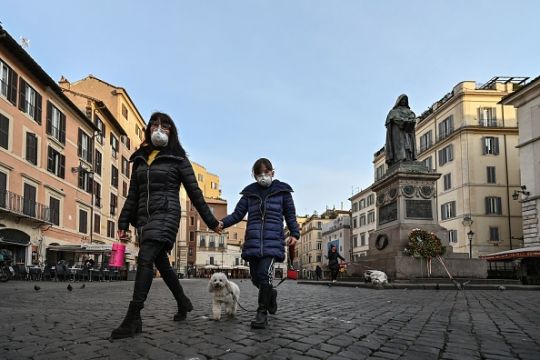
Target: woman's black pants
334	273
150	253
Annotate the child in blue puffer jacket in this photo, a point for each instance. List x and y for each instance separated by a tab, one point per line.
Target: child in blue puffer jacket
267	202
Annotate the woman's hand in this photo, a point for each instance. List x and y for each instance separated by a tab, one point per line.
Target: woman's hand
122	234
219	229
291	241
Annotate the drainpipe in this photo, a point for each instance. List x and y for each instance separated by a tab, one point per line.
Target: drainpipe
507	180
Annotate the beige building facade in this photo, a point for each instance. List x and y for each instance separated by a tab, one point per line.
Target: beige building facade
363	222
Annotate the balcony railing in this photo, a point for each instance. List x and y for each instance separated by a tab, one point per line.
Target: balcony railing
489	123
17	204
212	244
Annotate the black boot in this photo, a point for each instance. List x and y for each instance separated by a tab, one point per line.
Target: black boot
272	309
132	323
261	319
182	301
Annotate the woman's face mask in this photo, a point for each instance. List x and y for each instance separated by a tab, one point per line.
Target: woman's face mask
264	179
159	137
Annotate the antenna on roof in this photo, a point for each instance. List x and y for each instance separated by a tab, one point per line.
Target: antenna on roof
24	42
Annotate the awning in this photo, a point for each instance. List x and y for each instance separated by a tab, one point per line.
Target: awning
209	266
4	241
526	252
241	267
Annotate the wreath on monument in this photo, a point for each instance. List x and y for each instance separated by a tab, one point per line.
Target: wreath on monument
426	245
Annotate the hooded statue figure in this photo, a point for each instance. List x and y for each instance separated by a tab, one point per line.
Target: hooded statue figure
400	140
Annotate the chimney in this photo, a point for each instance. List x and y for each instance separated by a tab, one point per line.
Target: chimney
64	83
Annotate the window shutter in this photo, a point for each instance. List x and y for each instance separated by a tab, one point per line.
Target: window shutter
62	166
90	153
484	147
496	146
79	144
450	152
50	159
62	128
37	114
488	210
49	118
22	94
499	205
12	86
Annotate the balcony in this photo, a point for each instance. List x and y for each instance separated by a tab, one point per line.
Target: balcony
489	123
445	134
211	244
17	205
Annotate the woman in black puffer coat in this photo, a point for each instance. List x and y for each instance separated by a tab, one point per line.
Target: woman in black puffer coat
153	208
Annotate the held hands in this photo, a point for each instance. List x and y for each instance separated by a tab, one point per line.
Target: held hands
219	229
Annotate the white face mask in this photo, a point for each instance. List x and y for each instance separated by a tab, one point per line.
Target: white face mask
159	137
264	180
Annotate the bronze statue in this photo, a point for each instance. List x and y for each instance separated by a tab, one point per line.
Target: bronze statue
400	140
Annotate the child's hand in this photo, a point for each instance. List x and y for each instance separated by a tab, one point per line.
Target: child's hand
219	228
291	241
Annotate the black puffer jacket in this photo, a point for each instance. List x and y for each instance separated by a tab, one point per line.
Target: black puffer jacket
153	202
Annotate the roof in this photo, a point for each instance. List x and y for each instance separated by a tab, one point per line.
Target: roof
29	63
526	252
508	98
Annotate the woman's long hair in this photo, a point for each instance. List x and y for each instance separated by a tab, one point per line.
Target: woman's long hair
173	145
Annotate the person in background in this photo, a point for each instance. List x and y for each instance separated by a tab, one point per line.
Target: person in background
333	262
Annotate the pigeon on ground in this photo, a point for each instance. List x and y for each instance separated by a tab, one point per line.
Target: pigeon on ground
437	287
37	288
69	287
501	288
83	286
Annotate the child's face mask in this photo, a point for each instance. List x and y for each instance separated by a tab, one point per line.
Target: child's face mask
159	137
264	179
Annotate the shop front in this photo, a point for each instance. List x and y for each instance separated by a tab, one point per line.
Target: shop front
18	243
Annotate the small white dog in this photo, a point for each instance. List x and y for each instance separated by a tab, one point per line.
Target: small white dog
225	293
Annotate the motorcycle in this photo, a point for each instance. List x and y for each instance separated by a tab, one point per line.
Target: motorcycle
6	270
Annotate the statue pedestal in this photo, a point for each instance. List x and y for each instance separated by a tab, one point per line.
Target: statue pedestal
405	200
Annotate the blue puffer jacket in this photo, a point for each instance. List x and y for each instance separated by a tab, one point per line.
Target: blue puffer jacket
264	233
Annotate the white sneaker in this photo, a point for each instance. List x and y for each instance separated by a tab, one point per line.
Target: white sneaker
334	281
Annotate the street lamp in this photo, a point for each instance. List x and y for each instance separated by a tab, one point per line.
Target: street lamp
470	235
523	191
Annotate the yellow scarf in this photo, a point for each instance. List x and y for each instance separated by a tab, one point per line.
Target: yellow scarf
152	157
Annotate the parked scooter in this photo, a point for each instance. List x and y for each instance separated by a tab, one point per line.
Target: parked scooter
6	270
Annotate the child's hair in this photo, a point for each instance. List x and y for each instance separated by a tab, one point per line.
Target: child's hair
257	167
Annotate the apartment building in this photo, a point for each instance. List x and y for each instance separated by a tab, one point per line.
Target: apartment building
363	221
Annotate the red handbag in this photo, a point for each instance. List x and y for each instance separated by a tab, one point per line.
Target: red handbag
292	273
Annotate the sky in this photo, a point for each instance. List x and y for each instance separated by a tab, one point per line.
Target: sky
305	83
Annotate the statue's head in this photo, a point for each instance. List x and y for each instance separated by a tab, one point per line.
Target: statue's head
402	100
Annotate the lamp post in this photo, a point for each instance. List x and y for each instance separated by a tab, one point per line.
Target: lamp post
470	235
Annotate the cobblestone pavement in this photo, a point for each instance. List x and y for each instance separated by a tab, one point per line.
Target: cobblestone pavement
313	322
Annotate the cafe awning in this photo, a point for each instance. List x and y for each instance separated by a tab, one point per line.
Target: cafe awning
526	252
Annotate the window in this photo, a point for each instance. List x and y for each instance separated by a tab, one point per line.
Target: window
319	245
371	217
125	166
362	204
355	222
54	206
446	127
3	189
221	241
114	204
362	220
493	233
355	207
83	221
29	101
56	123
202	241
446	155
8	83
379	172
97	224
126	141
124	189
192	221
84	181
370	199
31	148
191	236
124	111
355	240
111	229
452	236
101	128
138	132
114	146
211	260
428	162
56	162
426	140
447	179
29	201
98	162
190	251
487	116
490	145
448	210
200	177
84	146
4	132
212	241
363	239
491	177
493	205
97	194
114	176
